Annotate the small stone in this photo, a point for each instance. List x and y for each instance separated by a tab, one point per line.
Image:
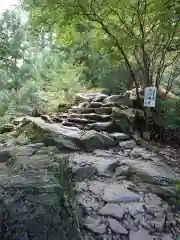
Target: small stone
168	237
116	193
88	202
127	144
133	208
159	222
94	224
7	128
5	154
105	166
170	218
120	136
123	171
140	235
130	224
154	209
152	199
82	173
80	187
116	227
112	210
97	187
145	224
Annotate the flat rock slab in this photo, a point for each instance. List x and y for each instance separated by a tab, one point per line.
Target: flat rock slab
102	126
97	187
116	193
140	235
102	165
116	227
157	173
112	210
120	136
103	110
91	116
88	202
113	98
70	137
134	208
94	224
127	144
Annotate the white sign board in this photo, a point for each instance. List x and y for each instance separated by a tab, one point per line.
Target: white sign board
150	97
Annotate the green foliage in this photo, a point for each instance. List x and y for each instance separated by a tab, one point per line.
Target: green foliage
34	72
141	33
168	113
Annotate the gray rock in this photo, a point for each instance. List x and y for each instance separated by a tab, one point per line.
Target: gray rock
102	126
123	171
95	105
103	110
106	166
20	197
140	235
160	174
120	136
116	193
167	237
69	137
88	202
94	224
80	187
83	105
130	223
97	187
127	144
152	199
159	221
133	208
82	110
5	154
82	173
113	98
116	227
7	128
154	209
103	166
100	98
92	140
105	153
112	210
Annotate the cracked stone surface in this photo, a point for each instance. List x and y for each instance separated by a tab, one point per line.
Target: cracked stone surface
122	192
116	193
112	210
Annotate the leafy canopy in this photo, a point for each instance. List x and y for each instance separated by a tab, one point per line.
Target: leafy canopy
144	33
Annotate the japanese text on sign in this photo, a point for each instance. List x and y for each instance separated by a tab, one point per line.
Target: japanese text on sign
150	97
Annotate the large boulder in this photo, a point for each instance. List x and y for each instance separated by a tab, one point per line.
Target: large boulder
35	202
64	137
125	118
113	98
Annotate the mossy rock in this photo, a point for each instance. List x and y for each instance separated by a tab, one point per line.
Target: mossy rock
64	107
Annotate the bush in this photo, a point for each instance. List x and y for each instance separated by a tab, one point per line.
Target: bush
168	114
165	124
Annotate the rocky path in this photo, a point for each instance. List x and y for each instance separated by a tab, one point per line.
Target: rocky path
122	190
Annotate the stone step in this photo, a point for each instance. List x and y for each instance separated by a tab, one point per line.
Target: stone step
91	116
77	120
95	105
101	110
83	110
109	126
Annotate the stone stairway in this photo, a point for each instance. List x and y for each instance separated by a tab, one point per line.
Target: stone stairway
121	189
100	113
